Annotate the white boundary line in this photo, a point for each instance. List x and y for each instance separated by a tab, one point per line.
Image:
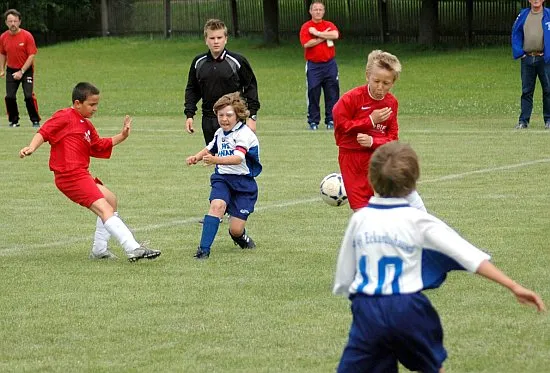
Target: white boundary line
193	220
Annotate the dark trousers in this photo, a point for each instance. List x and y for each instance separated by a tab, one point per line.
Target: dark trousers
209	127
12	86
531	68
321	76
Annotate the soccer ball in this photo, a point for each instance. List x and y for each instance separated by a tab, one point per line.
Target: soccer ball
333	191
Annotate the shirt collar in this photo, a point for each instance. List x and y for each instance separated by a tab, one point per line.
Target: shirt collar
387	203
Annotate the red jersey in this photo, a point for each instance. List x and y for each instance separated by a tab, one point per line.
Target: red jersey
73	141
321	52
351	117
17	48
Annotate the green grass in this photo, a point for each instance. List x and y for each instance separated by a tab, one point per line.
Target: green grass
270	310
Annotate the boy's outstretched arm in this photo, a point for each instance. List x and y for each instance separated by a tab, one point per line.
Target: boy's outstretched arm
125	132
523	295
193	159
35	143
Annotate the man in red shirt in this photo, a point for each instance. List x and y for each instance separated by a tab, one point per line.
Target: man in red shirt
73	140
17	51
317	37
364	119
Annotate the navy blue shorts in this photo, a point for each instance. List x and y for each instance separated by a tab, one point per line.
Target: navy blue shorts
389	329
239	192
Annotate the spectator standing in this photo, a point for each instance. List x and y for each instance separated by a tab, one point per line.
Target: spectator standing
531	44
17	51
214	74
317	37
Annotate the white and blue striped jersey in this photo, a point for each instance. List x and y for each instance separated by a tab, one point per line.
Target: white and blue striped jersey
392	248
241	141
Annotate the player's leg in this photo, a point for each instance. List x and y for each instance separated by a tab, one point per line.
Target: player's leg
11	97
354	167
209	127
116	227
543	72
101	236
418	333
243	199
331	89
528	81
210	225
367	349
30	98
218	196
313	86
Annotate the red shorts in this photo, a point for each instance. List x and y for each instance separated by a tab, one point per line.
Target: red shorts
80	187
354	166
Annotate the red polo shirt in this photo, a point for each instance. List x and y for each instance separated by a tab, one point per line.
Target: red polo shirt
321	52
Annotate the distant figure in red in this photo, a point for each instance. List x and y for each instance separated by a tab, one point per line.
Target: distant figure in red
364	119
17	51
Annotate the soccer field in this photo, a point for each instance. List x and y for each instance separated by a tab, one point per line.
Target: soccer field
268	310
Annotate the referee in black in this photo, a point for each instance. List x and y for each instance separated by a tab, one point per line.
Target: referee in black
214	74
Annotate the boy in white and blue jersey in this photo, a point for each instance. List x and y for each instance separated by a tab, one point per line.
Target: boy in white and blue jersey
235	151
390	253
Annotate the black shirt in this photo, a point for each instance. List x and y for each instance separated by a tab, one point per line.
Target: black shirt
209	79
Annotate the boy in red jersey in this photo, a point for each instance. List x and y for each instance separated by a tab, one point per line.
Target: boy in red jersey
73	140
364	119
17	51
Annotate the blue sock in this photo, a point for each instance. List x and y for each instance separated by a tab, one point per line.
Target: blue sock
209	230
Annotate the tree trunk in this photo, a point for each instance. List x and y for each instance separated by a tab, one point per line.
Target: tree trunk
271	21
427	29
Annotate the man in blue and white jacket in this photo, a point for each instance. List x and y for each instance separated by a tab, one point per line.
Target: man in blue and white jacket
531	43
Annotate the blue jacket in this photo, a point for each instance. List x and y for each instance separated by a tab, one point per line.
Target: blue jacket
517	33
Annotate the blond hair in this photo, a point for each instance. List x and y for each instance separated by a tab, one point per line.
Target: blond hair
214	25
383	60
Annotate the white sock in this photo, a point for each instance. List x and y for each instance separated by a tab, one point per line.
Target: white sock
415	201
120	231
101	237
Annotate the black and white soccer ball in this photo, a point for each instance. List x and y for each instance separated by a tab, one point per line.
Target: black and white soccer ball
333	191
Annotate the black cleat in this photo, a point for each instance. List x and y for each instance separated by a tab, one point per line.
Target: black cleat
201	254
244	241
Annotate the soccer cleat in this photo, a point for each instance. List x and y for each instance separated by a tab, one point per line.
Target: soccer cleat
36	124
313	126
104	255
14	124
521	125
547	126
330	125
201	254
142	252
244	241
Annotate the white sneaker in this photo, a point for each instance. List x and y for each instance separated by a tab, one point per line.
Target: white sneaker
104	255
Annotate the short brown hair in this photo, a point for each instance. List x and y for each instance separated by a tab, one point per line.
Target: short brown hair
214	25
384	60
233	99
394	170
316	2
12	12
